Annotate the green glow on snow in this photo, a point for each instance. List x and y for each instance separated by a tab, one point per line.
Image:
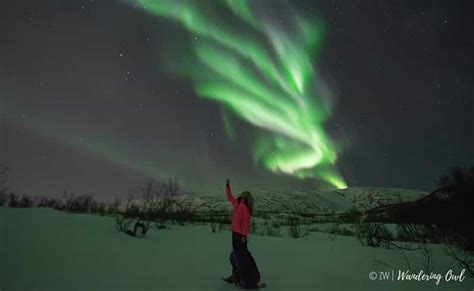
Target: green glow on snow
263	75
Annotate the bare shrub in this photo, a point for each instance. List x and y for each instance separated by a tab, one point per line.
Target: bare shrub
99	207
114	206
171	189
82	203
68	199
149	196
338	229
44	201
414	233
131	208
427	254
217	227
181	213
222	227
271	229
294	227
144	226
372	234
465	259
3	198
13	200
123	222
213	226
159	205
162	205
25	202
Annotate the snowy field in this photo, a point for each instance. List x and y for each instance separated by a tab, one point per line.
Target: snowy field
45	249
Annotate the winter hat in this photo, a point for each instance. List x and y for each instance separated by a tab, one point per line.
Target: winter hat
248	196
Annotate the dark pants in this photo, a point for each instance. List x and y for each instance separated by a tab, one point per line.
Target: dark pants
244	270
239	249
238	246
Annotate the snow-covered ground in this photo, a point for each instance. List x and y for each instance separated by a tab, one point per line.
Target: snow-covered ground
45	249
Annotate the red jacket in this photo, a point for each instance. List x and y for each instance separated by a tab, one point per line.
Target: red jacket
240	214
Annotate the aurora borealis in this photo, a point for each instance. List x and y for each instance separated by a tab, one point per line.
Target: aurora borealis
98	96
264	75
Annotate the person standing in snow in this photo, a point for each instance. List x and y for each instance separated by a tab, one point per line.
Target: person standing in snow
246	273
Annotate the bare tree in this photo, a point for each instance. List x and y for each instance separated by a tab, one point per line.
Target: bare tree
149	196
159	205
172	188
130	201
68	200
82	203
131	209
114	207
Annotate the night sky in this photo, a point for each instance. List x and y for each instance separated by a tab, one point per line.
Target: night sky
89	104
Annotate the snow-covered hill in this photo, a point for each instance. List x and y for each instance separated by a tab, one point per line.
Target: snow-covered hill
315	202
45	249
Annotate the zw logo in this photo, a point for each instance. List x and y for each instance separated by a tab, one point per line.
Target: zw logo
384	275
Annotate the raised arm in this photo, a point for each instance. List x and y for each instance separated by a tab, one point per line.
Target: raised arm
228	193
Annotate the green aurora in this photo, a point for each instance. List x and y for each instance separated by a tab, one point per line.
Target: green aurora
262	74
99	145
